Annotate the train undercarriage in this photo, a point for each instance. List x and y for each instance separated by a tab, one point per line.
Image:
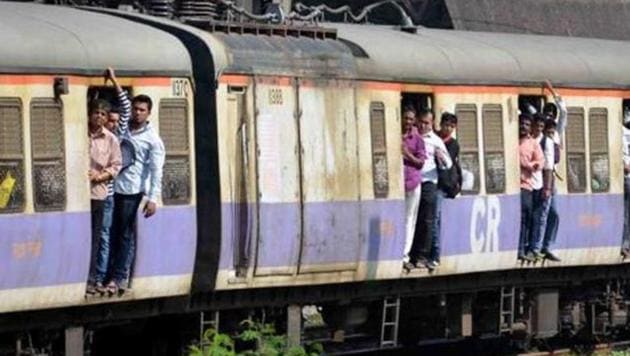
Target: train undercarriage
500	313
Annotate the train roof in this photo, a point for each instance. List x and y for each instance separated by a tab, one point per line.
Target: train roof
54	39
458	57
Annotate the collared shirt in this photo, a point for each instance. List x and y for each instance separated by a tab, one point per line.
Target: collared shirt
415	145
433	143
530	155
145	174
104	157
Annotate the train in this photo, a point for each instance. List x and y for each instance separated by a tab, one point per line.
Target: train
283	162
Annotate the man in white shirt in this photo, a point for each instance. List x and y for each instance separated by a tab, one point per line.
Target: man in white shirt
437	156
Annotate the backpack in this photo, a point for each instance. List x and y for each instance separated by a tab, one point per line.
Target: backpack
450	180
556	149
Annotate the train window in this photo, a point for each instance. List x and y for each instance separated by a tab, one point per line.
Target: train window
380	175
469	146
174	132
11	156
598	143
48	152
493	150
576	151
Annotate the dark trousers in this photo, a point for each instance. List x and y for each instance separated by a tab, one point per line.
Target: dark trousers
422	239
97	209
553	222
124	235
526	221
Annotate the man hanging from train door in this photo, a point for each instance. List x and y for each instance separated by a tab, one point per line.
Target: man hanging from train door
131	187
540	187
557	113
117	122
105	163
449	180
437	156
625	246
413	159
531	161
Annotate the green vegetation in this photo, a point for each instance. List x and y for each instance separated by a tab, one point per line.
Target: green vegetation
263	338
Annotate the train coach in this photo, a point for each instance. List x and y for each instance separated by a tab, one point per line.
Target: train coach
283	161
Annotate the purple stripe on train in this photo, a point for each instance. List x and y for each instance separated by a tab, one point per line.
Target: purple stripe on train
54	248
470	224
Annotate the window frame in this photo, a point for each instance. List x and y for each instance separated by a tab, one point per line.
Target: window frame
573	110
469	107
44	160
379	154
598	150
19	158
177	155
490	107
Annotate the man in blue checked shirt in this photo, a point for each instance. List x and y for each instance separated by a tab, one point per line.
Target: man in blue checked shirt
141	177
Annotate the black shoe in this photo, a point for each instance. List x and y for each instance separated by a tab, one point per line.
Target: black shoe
525	258
551	257
408	266
625	253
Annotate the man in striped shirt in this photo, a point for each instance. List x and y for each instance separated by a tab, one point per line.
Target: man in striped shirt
117	122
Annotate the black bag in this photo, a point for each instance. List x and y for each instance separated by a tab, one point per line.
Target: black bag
450	180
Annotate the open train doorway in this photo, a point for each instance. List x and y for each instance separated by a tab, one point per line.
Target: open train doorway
418	101
531	104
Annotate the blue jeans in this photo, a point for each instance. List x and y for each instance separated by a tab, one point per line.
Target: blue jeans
539	220
526	221
434	255
124	235
102	255
553	221
96	207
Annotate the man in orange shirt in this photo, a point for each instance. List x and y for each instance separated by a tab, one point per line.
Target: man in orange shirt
531	159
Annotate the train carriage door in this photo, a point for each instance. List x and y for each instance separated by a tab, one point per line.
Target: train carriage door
330	176
278	178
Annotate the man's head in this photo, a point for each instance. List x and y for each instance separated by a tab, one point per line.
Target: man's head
538	125
141	106
409	118
448	124
97	114
425	121
550	109
524	125
112	119
550	127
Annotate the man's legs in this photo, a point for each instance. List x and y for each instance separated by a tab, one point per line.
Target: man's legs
526	217
553	221
102	257
125	211
412	201
97	222
424	225
437	224
541	208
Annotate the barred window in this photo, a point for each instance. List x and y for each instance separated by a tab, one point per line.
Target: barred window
48	151
380	175
174	133
598	141
469	147
576	151
11	156
492	116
